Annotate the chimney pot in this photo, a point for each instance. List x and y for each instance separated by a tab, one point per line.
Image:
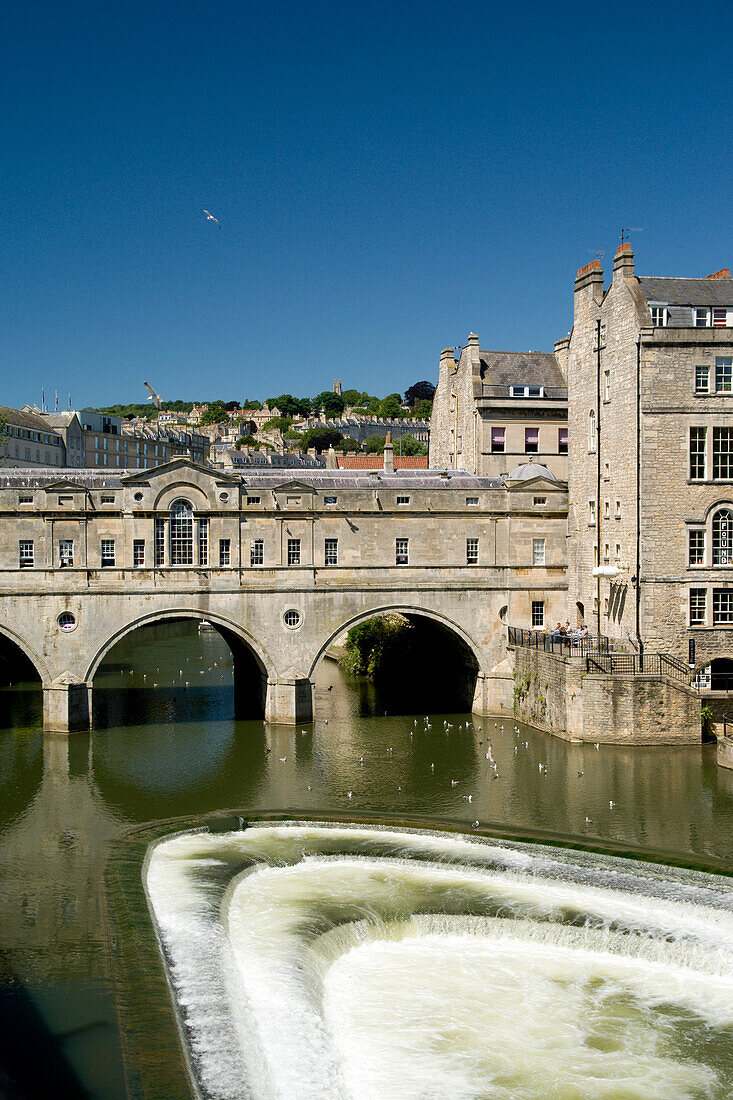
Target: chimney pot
724	273
594	265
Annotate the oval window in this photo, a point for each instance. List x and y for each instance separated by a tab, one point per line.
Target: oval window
292	618
66	621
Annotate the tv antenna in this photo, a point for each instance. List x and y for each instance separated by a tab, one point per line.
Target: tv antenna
599	253
624	236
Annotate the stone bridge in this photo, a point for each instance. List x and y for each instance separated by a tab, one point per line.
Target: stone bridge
279	568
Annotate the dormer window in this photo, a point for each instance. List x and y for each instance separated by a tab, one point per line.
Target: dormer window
701	316
720	318
526	391
659	316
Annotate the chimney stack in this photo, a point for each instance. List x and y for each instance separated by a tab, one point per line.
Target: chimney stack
623	264
331	462
388	454
724	273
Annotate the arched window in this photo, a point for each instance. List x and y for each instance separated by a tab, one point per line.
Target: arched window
181	533
722	532
591	431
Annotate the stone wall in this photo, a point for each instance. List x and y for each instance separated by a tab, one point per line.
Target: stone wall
555	694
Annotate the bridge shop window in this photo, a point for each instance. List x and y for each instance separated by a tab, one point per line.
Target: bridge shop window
107	553
203	541
402	551
181	533
723	606
159	542
538	613
25	553
257	552
293	551
138	553
471	551
66	553
331	551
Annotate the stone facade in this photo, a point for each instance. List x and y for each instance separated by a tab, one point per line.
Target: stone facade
647	371
493	411
280	566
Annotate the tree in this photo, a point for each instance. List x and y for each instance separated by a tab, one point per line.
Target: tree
421	391
277	423
423	409
232	406
248	405
321	438
289	405
354	397
215	413
408	445
391	406
374	445
349	446
331	403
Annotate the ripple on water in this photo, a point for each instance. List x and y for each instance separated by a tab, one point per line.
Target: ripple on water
318	961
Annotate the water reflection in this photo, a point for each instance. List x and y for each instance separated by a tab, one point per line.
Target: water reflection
174	750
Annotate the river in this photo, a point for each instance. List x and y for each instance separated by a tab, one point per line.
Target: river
165	746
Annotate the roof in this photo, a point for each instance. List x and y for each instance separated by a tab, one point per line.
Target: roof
376	462
26	420
521	368
40	477
528	470
687	292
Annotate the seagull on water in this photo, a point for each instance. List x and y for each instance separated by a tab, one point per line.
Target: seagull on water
211	218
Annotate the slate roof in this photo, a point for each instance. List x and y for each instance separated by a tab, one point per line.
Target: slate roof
687	292
26	420
376	462
521	368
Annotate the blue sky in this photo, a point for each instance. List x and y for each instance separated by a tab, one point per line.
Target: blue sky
388	176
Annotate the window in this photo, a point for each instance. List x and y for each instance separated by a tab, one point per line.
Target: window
402	551
697	453
253	500
702	379
724	374
498	440
65	500
562	441
107	499
203	526
526	391
225	552
329	500
293	551
722	533
107	554
607	509
25	553
471	502
618	509
138	553
659	316
722	606
697	547
471	551
181	534
591	432
618	551
592	512
722	453
291	618
66	553
331	551
701	317
538	551
531	440
291	501
606	553
539	500
606	385
595	557
403	500
66	621
257	552
720	318
160	542
23	499
538	612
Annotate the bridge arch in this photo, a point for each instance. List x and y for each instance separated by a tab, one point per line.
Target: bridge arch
28	651
407	610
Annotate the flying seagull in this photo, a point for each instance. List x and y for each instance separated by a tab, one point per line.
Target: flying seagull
211	218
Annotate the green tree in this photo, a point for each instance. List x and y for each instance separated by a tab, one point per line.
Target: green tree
249	405
289	405
374	444
423	409
408	445
277	423
421	391
331	403
391	406
215	413
349	446
354	397
321	438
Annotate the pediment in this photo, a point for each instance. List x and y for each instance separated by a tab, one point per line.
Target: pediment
293	486
534	483
177	467
64	486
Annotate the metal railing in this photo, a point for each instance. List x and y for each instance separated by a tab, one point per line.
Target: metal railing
636	664
728	724
564	645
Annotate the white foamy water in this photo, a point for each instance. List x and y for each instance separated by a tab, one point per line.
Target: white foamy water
311	961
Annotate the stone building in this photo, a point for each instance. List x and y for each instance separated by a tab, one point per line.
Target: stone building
26	439
96	440
494	410
650	523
